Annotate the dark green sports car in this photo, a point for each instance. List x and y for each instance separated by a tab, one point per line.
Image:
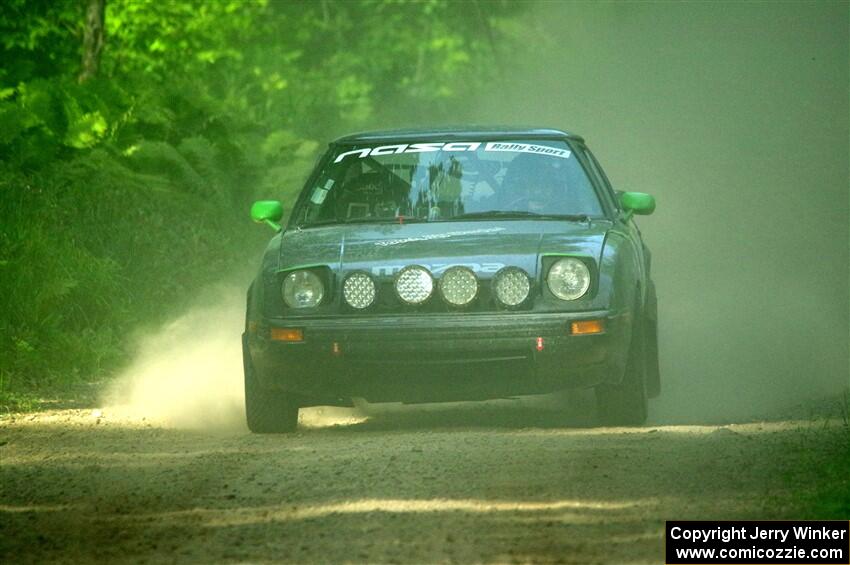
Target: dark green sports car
452	264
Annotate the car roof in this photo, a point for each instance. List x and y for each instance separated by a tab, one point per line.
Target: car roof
455	133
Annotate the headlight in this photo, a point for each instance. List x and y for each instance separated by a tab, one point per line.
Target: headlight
302	289
414	284
359	290
458	286
568	278
511	286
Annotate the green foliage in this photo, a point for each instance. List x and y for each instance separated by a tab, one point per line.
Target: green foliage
34	37
820	470
59	295
119	197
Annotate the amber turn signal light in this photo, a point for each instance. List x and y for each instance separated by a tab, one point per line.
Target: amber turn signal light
585	327
287	334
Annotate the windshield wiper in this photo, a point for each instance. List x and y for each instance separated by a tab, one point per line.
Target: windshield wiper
518	214
365	220
395	220
488	214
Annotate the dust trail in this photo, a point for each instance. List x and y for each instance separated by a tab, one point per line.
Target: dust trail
189	373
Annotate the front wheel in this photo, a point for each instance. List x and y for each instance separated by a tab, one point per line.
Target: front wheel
267	411
626	404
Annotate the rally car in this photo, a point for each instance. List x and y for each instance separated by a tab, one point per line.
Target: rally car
452	264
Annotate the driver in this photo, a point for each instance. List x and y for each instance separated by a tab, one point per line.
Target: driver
533	184
542	194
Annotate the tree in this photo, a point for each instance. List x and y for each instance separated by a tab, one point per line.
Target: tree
93	39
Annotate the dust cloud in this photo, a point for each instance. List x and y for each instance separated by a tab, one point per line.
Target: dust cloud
735	116
188	374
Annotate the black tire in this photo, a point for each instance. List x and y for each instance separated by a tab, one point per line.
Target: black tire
267	411
626	404
650	341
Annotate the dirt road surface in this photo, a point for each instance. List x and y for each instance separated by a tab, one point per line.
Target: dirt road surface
408	485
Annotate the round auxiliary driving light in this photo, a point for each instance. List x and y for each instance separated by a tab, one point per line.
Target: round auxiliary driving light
302	289
414	284
568	278
458	286
511	286
359	290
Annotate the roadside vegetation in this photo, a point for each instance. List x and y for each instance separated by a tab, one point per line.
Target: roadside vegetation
822	473
135	133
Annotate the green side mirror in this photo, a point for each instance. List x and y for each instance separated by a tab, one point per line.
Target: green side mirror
267	212
637	203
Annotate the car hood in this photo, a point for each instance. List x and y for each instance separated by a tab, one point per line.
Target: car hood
485	247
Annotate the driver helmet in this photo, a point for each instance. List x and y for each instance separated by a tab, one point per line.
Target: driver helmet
535	179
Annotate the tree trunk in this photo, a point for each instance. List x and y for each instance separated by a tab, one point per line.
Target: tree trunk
92	39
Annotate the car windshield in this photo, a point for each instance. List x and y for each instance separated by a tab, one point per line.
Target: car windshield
449	181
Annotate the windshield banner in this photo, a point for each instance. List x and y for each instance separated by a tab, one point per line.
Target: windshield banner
455	146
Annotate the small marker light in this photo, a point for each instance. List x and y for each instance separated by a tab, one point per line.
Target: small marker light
539	344
586	327
287	334
336	349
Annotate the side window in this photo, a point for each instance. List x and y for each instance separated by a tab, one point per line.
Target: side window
600	174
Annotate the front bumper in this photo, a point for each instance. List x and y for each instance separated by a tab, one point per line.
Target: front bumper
440	357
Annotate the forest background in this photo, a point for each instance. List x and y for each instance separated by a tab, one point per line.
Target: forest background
134	134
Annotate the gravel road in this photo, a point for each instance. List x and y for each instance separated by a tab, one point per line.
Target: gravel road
456	484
